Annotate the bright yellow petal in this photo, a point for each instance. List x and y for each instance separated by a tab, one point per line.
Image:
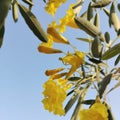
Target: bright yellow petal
90	115
54	96
101	108
75	60
72	24
56	36
53	5
49	43
53	71
48	50
57	76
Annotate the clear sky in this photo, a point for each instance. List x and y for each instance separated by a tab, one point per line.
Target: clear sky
22	71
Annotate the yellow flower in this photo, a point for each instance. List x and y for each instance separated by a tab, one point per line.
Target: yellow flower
56	36
67	20
53	71
54	96
98	111
53	5
75	60
47	47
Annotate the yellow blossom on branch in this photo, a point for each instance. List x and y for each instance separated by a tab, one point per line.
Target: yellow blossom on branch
98	111
75	60
67	20
54	95
53	71
56	36
53	5
48	47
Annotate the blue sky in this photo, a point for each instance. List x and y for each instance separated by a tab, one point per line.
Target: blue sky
22	71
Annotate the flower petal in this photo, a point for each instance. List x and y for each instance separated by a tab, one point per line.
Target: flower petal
48	50
56	36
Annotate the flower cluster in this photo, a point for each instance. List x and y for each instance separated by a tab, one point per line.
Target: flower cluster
55	91
97	111
53	100
53	5
82	70
67	20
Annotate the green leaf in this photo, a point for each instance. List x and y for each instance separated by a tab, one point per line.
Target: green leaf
69	93
30	3
107	37
117	60
44	1
96	48
110	113
32	23
77	107
88	102
71	102
15	11
97	21
89	12
88	27
2	30
74	78
103	84
111	52
85	39
118	6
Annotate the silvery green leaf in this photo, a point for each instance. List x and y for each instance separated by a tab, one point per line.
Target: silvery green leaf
15	11
107	37
113	51
89	12
85	39
117	60
101	3
89	28
2	30
97	21
103	84
32	23
71	102
96	48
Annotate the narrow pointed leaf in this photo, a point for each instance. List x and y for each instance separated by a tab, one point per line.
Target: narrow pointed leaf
103	84
89	12
118	6
111	52
101	3
74	78
2	30
95	61
28	2
96	48
89	28
117	60
85	39
114	18
69	93
15	11
107	12
110	113
107	37
97	21
77	7
71	102
88	102
32	23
